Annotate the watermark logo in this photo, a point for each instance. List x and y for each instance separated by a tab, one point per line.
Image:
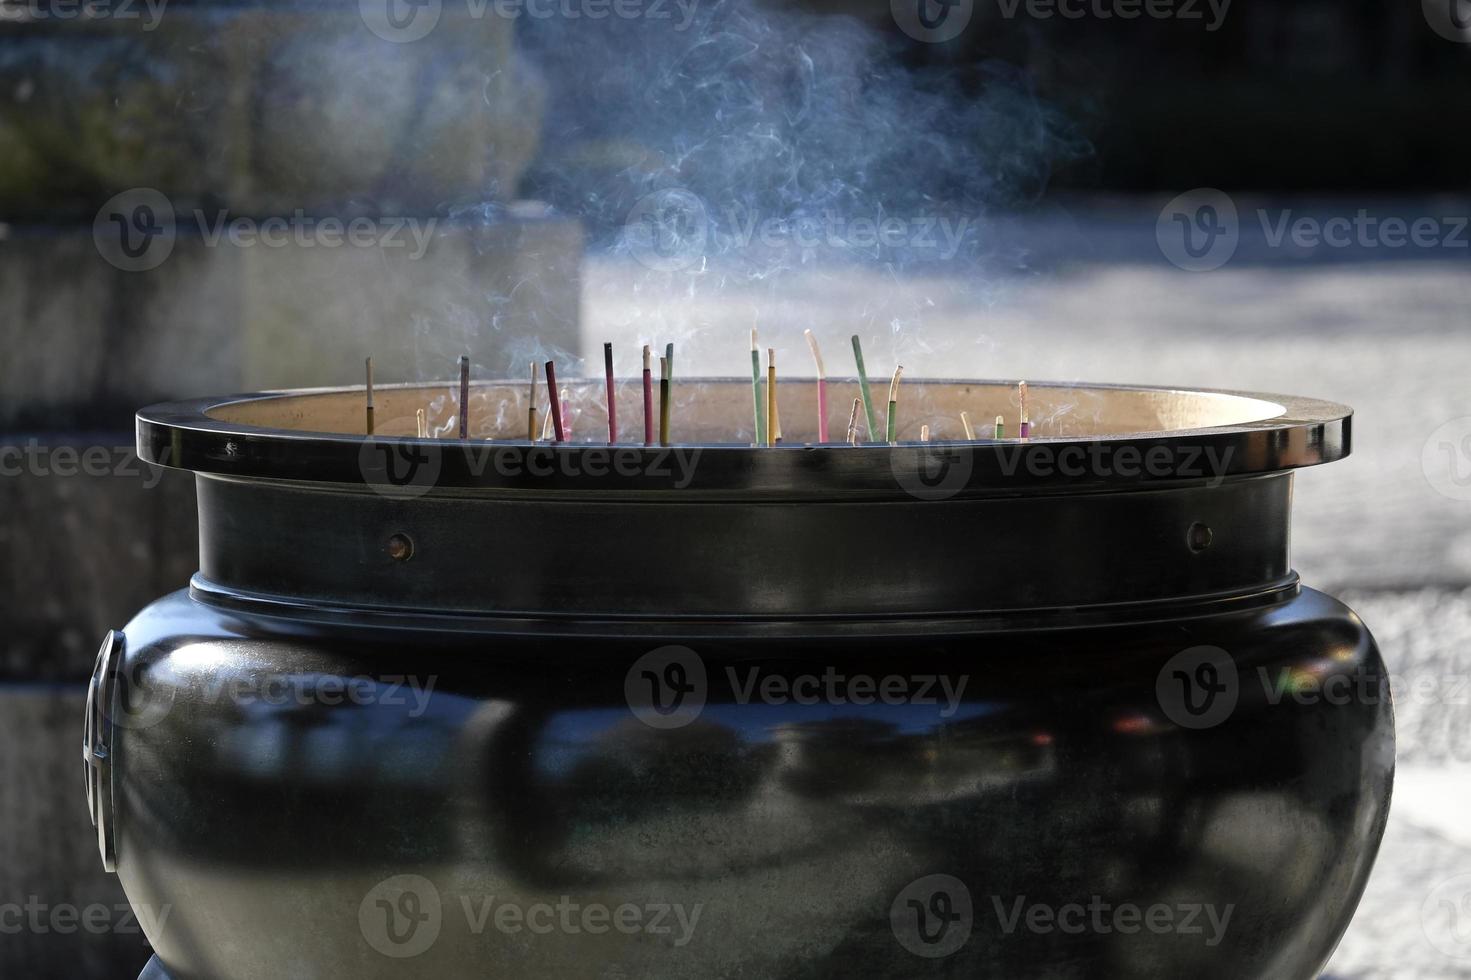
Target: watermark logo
1446	459
1198	688
1445	917
400	469
932	21
667	230
933	916
134	231
934	472
401	916
1198	231
1451	19
666	688
400	21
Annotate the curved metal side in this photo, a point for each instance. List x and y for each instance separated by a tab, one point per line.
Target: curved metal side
369	802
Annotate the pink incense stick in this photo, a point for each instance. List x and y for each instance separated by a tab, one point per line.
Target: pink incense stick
612	402
821	389
648	400
556	404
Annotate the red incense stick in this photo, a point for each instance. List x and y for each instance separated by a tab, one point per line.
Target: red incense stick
556	403
648	399
612	402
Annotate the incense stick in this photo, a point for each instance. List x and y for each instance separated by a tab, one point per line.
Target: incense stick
368	390
873	423
760	408
531	412
1000	427
648	399
924	433
464	397
612	402
1024	421
555	405
893	426
422	424
853	422
664	400
970	432
821	388
771	396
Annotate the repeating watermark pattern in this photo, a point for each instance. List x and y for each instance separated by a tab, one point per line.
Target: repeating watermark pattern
136	231
1445	917
147	13
667	230
405	21
1201	687
673	229
42	918
403	916
932	916
142	701
1446	459
932	21
838	688
669	687
1098	916
1198	687
1211	13
939	471
32	458
401	468
1451	19
666	688
1200	230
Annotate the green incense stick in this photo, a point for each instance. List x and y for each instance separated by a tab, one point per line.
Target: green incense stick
873	422
756	391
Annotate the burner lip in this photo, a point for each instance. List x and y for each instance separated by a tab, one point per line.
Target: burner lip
1294	432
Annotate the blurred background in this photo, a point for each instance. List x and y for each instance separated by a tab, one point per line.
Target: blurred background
204	197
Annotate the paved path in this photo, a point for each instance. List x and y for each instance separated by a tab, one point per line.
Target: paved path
1386	333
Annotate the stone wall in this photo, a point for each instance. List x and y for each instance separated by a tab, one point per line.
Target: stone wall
144	173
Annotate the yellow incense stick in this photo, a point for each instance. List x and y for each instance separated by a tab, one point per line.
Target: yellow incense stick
970	432
771	396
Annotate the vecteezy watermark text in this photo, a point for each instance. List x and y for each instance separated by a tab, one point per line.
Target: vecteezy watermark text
40	918
405	21
403	916
136	231
1201	230
31	458
149	12
672	229
1212	12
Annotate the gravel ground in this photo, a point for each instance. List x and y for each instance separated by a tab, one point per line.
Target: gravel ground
1388	529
